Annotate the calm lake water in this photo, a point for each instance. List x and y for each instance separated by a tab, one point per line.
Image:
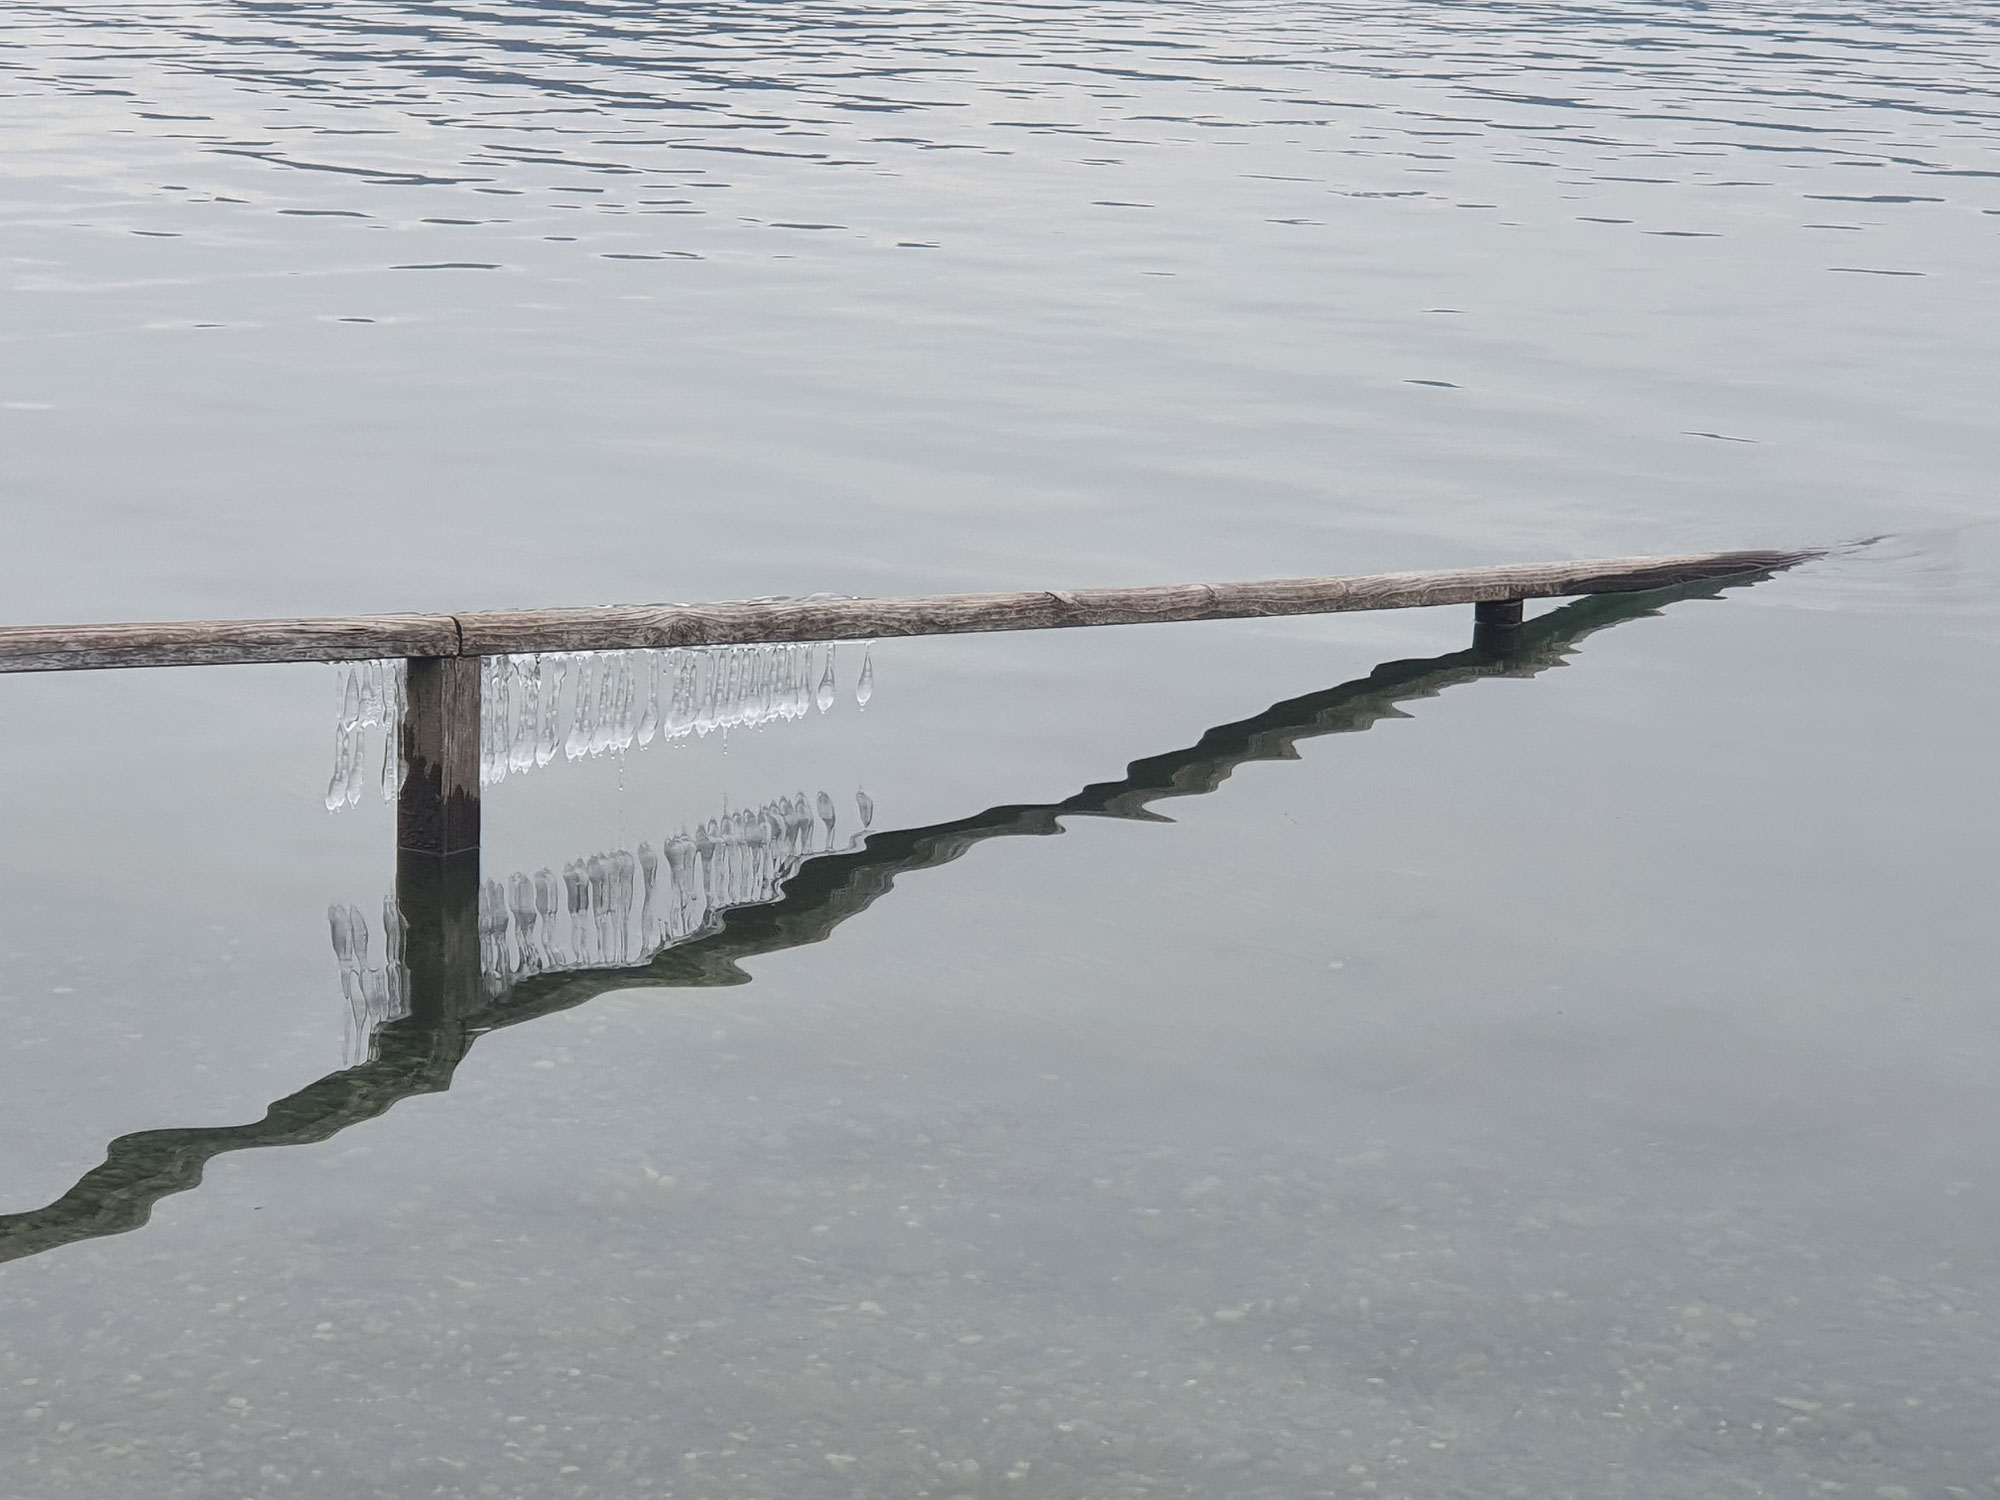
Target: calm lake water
1579	1080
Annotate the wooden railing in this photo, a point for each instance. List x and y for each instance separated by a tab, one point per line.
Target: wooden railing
70	648
438	805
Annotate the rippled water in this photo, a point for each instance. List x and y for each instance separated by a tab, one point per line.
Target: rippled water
1580	1086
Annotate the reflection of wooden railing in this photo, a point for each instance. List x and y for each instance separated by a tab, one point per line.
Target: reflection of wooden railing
439	900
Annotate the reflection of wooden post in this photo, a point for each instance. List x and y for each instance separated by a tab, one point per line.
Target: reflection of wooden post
1496	625
437	837
438	895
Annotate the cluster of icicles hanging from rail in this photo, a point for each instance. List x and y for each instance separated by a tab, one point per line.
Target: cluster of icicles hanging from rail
575	704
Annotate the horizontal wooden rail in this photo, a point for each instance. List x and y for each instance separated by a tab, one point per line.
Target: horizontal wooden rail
64	648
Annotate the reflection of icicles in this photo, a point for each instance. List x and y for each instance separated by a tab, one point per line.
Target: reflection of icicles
623	907
371	699
865	805
375	995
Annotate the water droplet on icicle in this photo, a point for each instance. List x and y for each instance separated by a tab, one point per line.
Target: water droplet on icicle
864	686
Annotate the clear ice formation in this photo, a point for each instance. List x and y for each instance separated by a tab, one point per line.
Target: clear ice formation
371	698
587	703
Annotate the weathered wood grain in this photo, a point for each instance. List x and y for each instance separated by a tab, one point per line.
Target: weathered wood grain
625	627
194	643
437	807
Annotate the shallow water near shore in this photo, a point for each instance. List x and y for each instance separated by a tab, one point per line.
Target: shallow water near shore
1275	1058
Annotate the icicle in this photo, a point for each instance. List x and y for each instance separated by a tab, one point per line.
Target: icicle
701	695
680	699
371	708
503	721
548	742
826	816
336	789
392	764
864	687
526	672
866	805
732	700
621	740
351	792
826	690
604	724
649	721
492	720
581	719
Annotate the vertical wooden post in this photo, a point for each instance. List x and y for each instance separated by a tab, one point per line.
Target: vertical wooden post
437	811
1496	625
437	837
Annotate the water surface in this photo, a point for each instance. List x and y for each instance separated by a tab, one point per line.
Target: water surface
1581	1086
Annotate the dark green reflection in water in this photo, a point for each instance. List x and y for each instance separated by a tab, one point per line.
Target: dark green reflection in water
419	1054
